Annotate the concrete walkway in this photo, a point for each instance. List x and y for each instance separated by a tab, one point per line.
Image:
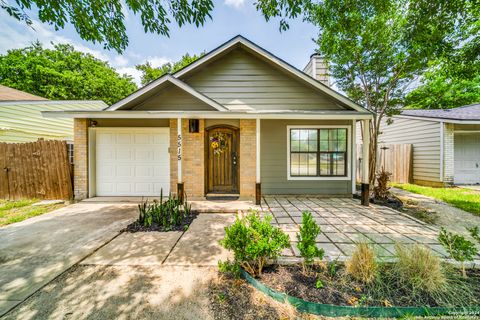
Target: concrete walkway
37	250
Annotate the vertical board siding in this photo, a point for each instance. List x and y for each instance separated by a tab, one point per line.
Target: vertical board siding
38	170
424	136
239	80
273	166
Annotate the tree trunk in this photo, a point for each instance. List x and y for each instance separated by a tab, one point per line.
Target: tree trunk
373	156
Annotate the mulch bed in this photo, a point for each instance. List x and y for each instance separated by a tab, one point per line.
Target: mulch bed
183	226
340	289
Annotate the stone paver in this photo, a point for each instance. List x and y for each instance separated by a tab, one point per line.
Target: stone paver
344	221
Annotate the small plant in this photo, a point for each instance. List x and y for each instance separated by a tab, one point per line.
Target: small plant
475	233
459	248
306	240
319	284
381	190
229	268
165	215
254	241
332	268
362	265
417	266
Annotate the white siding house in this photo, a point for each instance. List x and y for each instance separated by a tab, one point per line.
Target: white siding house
446	143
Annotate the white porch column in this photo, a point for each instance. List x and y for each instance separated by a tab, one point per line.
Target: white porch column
180	187
354	156
258	186
365	163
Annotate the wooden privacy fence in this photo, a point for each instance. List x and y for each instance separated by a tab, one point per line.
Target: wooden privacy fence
395	158
35	170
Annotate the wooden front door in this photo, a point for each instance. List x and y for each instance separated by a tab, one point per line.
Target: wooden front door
222	159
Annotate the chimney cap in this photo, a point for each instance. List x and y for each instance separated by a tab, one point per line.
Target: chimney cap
315	54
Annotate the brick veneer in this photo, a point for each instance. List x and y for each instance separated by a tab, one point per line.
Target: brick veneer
247	158
193	159
80	156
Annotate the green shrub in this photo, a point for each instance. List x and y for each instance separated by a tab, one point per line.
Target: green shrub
362	265
475	233
459	248
309	231
166	214
231	269
418	267
254	241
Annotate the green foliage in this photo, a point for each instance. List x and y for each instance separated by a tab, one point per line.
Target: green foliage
377	48
229	268
150	73
418	267
104	21
254	241
63	73
309	230
459	248
475	233
319	284
162	214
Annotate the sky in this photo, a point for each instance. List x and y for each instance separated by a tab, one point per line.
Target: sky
229	18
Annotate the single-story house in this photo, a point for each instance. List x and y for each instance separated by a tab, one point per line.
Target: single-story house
237	122
446	144
21	117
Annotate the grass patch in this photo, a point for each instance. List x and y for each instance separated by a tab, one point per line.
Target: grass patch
16	211
465	199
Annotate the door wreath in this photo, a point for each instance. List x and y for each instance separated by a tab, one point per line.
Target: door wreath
218	142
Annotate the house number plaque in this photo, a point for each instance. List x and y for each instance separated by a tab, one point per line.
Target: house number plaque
179	147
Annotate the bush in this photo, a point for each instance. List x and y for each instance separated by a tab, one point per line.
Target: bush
381	190
362	265
306	240
254	241
475	233
419	268
229	268
161	214
459	248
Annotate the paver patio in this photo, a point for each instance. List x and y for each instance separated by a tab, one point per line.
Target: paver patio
344	221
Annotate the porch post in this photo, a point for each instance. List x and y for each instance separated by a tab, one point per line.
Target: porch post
354	156
180	187
258	185
365	163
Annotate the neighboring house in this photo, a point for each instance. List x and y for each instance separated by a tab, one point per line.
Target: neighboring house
21	119
236	122
446	143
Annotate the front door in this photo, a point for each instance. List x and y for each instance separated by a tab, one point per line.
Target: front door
467	158
222	160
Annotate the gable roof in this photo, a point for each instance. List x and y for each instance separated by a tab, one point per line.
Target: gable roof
465	113
10	94
225	48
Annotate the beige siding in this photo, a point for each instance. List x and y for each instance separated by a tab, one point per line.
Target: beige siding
173	98
273	167
241	81
425	138
23	121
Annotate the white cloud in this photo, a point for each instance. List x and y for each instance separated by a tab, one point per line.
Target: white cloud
235	3
119	61
157	61
132	72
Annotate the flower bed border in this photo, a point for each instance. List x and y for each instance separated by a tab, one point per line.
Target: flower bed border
331	310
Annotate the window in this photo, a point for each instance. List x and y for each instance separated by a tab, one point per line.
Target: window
319	152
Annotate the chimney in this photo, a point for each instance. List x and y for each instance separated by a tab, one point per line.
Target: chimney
317	68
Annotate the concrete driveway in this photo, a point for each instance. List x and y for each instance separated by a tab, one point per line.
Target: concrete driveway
35	251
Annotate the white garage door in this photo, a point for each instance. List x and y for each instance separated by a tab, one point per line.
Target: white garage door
132	161
467	158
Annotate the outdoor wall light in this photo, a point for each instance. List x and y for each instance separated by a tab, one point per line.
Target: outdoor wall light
193	125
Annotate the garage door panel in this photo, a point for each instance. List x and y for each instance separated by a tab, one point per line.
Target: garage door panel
132	161
467	158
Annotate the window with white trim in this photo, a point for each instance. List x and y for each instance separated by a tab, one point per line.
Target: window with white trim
318	152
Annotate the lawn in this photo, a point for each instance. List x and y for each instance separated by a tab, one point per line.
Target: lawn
465	199
16	211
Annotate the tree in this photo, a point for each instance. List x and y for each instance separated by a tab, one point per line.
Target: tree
63	73
104	21
377	48
150	73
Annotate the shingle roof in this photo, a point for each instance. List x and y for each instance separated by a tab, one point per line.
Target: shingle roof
469	112
10	94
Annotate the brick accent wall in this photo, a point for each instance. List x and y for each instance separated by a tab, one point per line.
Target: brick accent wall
247	158
80	158
448	153
193	159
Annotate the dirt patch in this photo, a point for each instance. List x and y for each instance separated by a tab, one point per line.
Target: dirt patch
324	284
